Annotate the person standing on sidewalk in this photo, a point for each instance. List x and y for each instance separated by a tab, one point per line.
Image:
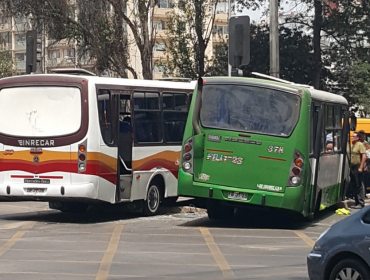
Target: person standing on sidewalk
358	159
366	176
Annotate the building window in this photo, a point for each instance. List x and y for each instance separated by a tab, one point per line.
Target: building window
158	69
222	7
20	41
166	4
54	54
159	25
159	47
221	29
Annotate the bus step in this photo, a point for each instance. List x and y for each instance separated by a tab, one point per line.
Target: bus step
125	186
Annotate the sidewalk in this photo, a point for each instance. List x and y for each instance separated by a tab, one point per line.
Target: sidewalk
351	202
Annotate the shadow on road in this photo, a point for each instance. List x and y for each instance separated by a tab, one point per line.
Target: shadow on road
264	218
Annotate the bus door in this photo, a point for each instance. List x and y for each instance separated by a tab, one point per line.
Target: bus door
125	143
108	156
329	157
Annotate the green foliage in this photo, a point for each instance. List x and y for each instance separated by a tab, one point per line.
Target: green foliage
355	84
188	37
7	64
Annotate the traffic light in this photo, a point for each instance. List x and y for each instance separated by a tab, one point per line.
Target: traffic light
239	41
33	51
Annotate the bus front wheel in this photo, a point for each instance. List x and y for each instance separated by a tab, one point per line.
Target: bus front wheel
217	211
153	200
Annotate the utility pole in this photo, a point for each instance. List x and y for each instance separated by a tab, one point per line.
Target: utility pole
228	65
274	39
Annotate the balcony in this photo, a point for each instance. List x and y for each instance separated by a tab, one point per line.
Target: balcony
5	46
21	65
162	12
158	55
221	18
219	38
5	27
160	34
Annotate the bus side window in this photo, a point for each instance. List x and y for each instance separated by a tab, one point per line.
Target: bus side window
175	111
147	117
105	115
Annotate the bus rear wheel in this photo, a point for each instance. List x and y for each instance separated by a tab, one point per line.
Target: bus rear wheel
217	211
153	200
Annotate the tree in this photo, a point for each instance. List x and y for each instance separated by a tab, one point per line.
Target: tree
7	64
296	54
102	28
355	84
188	36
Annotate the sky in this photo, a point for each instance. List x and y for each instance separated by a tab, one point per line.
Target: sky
286	7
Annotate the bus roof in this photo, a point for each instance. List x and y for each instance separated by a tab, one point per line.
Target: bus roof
315	94
114	81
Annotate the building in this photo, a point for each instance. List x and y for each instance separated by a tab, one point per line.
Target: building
65	53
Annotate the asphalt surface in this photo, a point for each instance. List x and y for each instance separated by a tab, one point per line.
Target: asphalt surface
105	243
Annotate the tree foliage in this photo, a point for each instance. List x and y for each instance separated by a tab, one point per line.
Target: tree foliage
7	64
101	28
188	37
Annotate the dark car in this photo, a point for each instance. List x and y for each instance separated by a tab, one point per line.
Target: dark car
343	251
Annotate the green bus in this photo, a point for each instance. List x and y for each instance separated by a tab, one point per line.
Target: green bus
259	142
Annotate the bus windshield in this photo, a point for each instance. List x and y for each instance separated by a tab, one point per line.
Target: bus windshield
249	109
40	111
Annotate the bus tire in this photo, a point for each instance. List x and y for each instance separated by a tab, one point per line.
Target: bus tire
69	207
217	211
153	199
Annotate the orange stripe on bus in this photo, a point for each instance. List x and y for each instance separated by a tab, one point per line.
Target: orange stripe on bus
270	158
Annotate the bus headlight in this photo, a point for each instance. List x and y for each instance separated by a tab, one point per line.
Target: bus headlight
186	165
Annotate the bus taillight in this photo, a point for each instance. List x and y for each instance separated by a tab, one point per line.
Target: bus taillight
187	157
296	170
82	157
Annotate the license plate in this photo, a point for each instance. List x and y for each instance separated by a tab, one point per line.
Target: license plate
37	181
35	191
237	195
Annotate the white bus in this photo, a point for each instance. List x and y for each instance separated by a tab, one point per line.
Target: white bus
72	140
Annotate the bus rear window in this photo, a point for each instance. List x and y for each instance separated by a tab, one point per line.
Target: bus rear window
249	108
40	111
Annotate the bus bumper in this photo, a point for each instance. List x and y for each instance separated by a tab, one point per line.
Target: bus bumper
45	192
291	199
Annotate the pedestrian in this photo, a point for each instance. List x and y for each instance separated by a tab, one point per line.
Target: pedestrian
358	159
366	175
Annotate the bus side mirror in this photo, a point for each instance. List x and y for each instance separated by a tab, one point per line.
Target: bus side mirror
353	123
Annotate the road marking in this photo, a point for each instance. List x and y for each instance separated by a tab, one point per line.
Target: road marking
305	238
216	253
16	237
106	262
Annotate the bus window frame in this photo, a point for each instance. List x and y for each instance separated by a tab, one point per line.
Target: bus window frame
113	112
332	128
174	111
37	81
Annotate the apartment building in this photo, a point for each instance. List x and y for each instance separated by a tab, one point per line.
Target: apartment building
65	53
13	38
218	37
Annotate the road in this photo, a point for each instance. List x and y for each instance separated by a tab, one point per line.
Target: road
38	243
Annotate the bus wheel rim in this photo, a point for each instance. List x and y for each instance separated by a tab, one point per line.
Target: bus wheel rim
153	198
